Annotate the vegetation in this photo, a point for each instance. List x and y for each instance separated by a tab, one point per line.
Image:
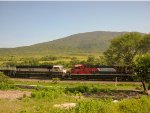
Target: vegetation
125	47
4	78
142	68
91	42
128	49
145	44
79	85
104	106
66	61
82	48
55	80
5	82
43	99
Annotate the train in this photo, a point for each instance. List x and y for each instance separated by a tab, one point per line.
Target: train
77	72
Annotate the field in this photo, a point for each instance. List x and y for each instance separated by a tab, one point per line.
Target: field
66	60
45	96
54	96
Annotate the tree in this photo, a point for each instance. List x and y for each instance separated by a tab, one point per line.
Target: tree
90	60
48	58
74	61
142	68
100	60
11	63
123	49
31	62
145	44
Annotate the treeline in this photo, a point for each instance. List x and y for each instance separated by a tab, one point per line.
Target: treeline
53	60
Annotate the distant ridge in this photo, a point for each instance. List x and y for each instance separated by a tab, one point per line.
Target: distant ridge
89	42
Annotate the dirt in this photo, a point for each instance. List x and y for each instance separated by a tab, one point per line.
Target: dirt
13	94
115	95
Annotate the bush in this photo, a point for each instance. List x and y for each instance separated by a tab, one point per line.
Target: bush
78	89
49	58
5	82
4	78
86	89
49	93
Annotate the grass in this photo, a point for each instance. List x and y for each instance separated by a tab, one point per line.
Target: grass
6	82
42	100
44	104
110	86
84	106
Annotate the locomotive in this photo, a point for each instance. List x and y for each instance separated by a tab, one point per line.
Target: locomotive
78	71
47	71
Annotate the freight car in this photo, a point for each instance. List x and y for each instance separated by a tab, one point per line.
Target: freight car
79	71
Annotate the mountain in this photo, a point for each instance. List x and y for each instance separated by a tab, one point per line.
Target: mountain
89	42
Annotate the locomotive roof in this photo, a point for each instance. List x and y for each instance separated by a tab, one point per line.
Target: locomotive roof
41	66
98	66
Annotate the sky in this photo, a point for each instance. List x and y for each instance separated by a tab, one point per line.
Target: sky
27	23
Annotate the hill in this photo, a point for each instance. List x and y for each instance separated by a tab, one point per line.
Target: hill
89	42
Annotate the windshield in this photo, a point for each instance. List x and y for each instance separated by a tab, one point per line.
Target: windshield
56	68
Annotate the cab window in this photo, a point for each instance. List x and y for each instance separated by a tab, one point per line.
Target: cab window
56	67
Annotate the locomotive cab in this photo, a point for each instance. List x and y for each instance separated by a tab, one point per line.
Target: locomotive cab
79	66
58	71
80	69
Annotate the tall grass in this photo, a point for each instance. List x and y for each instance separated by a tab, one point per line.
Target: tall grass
141	105
48	93
43	99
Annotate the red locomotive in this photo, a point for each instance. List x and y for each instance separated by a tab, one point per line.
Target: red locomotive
81	71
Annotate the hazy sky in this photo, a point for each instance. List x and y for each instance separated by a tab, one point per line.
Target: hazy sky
26	23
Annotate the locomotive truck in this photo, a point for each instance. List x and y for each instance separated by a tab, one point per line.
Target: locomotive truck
78	71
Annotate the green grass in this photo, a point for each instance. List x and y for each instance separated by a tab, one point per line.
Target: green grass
63	84
42	100
84	106
6	83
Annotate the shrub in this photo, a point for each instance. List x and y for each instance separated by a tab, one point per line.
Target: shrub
78	89
4	78
95	106
86	89
5	82
49	93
